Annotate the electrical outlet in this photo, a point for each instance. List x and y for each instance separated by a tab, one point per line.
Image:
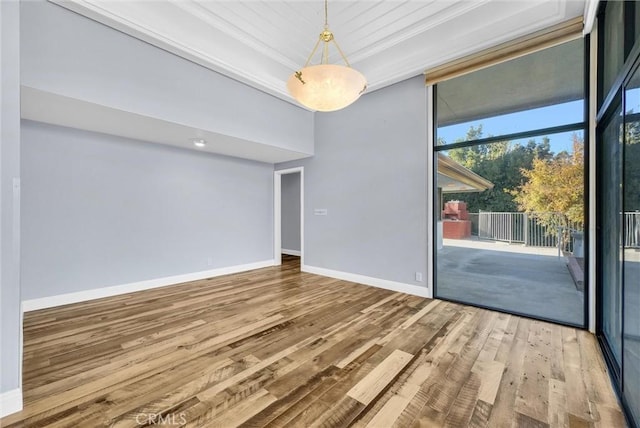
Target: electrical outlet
419	276
209	261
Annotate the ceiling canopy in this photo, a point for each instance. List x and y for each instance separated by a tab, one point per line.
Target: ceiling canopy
551	76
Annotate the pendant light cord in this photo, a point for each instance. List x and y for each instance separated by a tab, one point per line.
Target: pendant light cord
324	57
326	14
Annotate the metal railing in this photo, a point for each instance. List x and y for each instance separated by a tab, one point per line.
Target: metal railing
554	232
501	226
632	229
549	230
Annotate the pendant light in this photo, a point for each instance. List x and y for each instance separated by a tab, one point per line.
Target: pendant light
326	87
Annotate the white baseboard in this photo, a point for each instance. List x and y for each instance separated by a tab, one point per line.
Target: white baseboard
10	402
367	280
97	293
291	252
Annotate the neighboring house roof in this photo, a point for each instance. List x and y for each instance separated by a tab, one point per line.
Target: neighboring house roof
455	178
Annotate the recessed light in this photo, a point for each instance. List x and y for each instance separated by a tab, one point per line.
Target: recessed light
198	142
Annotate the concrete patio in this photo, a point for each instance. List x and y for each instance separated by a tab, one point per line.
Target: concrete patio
527	280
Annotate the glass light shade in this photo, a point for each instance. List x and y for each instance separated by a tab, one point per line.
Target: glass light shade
327	87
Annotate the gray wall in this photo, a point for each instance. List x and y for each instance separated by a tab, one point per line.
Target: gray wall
290	211
369	171
100	210
70	55
9	207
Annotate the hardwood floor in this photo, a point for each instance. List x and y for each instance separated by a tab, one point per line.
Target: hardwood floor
276	347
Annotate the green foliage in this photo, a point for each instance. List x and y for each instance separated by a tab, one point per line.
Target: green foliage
501	163
555	184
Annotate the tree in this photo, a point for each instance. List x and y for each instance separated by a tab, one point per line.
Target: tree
555	185
501	163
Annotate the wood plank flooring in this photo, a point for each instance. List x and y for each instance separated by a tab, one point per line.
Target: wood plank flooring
276	347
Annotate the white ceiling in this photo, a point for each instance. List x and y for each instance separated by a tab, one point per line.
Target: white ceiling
261	42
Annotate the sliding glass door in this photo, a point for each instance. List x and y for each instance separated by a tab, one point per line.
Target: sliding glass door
619	236
618	198
610	248
630	241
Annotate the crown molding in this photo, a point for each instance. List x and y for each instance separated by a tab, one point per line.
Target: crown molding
407	52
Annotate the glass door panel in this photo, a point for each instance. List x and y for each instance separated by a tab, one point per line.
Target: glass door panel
509	205
610	233
631	244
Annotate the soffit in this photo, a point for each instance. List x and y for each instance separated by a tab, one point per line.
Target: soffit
551	76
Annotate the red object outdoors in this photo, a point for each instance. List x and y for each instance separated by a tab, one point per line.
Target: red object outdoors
455	210
455	221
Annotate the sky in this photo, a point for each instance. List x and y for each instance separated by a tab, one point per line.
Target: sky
545	117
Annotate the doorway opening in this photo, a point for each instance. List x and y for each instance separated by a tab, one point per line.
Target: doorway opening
288	208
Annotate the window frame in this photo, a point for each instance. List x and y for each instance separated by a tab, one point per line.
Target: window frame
576	126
